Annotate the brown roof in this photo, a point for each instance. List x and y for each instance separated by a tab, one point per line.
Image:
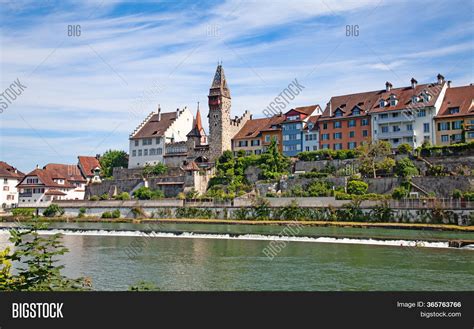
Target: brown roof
154	127
7	171
308	110
461	97
312	119
252	128
197	130
70	173
88	164
191	166
369	102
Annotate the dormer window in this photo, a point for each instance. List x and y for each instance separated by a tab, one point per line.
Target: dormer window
426	97
310	126
393	100
453	110
338	113
356	111
382	103
414	99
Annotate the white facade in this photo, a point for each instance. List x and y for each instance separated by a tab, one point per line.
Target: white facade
411	125
151	149
310	139
8	192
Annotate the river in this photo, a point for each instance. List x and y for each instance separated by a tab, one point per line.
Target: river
231	257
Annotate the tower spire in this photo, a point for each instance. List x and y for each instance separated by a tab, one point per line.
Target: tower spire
219	84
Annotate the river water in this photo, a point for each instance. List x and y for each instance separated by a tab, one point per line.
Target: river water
231	257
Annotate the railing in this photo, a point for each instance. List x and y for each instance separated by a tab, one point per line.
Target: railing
25	195
443	203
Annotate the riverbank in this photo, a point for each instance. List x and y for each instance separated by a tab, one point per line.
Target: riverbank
388	225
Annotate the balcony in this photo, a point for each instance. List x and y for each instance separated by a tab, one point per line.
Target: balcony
397	134
25	194
401	118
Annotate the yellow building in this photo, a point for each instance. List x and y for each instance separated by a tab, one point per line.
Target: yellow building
455	119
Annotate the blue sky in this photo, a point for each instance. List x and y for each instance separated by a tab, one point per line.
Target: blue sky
86	94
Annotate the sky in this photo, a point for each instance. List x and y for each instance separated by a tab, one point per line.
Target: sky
94	69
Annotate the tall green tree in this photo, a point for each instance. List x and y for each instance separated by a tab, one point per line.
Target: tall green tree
111	159
371	153
272	162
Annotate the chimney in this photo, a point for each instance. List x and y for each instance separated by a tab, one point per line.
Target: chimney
388	86
413	83
97	156
159	112
449	83
330	108
440	78
37	167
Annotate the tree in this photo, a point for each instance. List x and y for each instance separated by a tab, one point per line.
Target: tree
272	162
400	193
39	254
111	159
145	193
53	210
370	154
405	148
155	170
405	168
357	187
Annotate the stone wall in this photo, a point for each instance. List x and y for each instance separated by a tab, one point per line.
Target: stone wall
307	166
443	186
384	185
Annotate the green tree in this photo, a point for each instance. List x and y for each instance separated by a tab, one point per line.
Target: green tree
145	193
53	210
39	254
405	168
400	193
272	162
405	148
357	187
370	154
158	169
111	159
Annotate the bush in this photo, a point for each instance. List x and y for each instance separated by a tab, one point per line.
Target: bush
111	214
342	196
23	212
53	210
437	170
122	196
405	148
94	198
82	212
400	193
405	168
313	174
181	196
327	155
145	193
457	194
319	188
104	196
469	196
357	187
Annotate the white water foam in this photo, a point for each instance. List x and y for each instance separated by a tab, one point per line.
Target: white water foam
256	237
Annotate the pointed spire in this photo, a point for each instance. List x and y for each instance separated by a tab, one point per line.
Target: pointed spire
219	84
198	130
198	124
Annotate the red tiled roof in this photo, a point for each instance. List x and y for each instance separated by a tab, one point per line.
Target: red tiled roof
461	97
252	128
154	127
70	173
88	164
312	119
308	110
7	171
369	102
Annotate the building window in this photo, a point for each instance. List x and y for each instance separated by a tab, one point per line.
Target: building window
351	123
338	146
267	138
356	111
422	113
307	148
396	128
365	133
351	145
338	113
136	142
139	153
6	188
364	122
152	151
443	126
426	127
444	138
384	129
258	152
325	137
409	127
147	141
382	103
453	110
145	152
383	116
337	135
395	115
457	124
134	153
157	140
325	146
255	142
325	125
243	143
337	124
159	151
457	137
5	181
351	134
470	134
395	141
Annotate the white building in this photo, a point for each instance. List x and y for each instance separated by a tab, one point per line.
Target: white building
53	182
406	114
9	179
311	134
148	141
